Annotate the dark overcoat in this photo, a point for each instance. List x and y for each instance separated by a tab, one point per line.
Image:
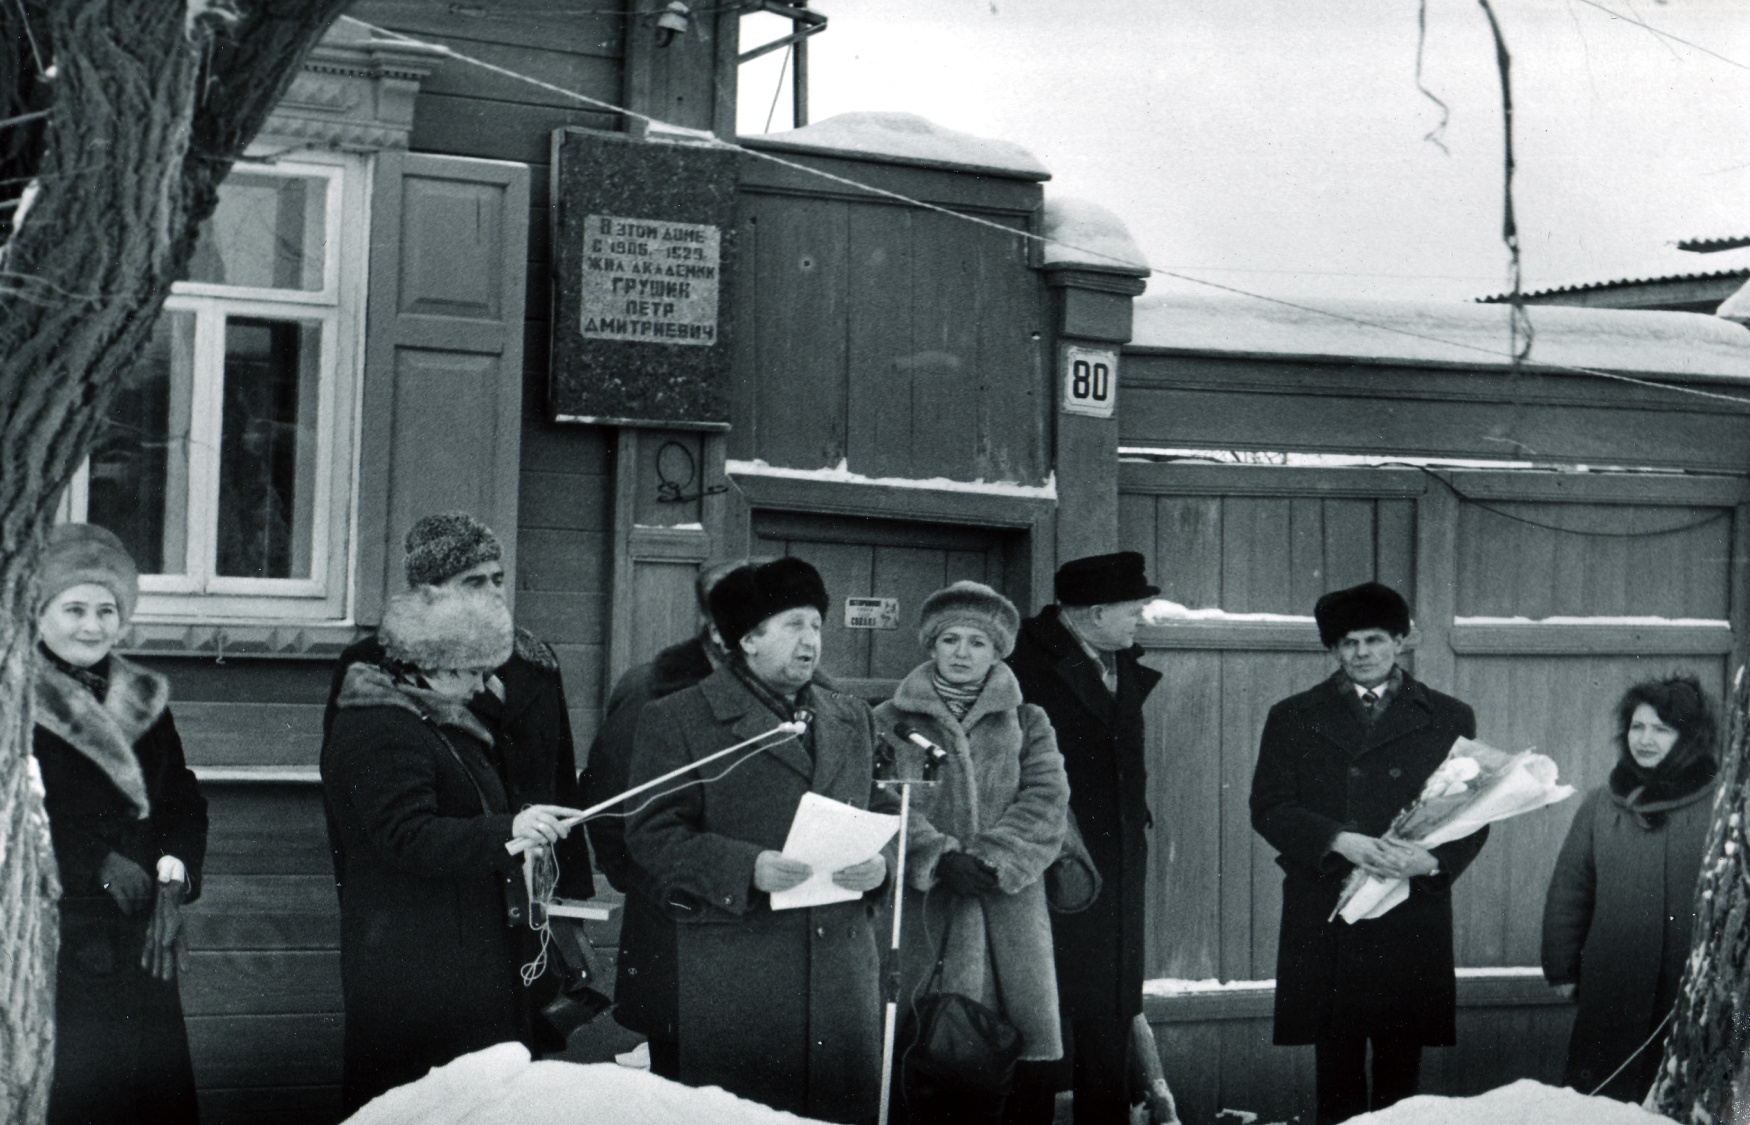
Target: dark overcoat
1617	922
1323	770
121	1048
533	751
1099	950
644	985
782	1007
429	954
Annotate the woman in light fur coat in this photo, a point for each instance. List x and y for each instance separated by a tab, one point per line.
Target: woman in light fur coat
981	839
129	827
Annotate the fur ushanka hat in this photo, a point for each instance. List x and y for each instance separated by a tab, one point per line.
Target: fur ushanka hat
1370	605
81	553
442	546
973	604
438	629
748	595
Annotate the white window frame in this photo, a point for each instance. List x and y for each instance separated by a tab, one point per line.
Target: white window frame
199	595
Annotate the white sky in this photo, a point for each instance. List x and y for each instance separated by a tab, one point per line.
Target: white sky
1276	145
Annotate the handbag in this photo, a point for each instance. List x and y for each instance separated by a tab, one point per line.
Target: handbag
959	1055
1072	882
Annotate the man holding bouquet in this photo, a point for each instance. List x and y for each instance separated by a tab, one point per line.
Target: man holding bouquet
1336	765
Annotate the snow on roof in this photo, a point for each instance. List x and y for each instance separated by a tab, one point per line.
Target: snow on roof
1683	261
905	138
1083	233
1442	334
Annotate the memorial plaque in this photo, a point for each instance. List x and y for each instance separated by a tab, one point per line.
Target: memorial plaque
643	250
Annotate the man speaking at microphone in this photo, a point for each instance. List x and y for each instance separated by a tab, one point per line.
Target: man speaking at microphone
782	1007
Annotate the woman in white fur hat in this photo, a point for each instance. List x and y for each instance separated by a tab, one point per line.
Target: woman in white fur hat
129	827
433	923
981	839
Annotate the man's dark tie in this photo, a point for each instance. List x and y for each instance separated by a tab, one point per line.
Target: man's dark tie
1370	704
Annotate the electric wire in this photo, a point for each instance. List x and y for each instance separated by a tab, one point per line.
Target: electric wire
706	138
1636	1053
1665	34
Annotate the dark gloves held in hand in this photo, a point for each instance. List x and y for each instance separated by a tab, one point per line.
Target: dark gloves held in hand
126	882
966	874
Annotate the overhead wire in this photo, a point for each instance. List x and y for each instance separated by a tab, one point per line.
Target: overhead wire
1665	34
706	138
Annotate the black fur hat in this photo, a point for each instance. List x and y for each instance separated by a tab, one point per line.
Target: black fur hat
748	595
1103	580
1370	605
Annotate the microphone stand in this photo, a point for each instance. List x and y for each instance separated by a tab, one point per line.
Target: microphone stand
933	757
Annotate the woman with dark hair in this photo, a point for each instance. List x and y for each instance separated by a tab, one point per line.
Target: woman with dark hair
1621	902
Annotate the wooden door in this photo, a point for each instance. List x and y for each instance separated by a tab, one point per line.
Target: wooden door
877	558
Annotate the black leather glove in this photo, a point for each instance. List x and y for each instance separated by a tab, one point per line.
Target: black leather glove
966	874
126	882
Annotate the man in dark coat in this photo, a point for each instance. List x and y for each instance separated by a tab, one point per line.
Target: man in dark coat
524	705
1079	661
1336	765
644	985
780	1006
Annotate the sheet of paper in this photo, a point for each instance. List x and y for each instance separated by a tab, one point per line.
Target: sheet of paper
828	835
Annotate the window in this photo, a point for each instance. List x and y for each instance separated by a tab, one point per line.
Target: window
226	462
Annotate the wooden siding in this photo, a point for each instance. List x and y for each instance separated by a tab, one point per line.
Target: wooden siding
261	992
1237	403
901	341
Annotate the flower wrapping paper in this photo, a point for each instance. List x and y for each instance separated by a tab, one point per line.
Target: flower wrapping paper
1475	786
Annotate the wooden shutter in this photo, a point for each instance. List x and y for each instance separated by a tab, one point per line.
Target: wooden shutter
441	424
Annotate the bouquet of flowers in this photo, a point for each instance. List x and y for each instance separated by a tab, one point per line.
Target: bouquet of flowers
1476	785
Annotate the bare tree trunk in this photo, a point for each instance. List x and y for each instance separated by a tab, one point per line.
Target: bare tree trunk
121	118
1706	1073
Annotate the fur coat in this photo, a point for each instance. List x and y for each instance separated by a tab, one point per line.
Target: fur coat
114	780
1002	797
429	957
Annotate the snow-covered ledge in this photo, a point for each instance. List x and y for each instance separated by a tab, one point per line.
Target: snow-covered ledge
1090	247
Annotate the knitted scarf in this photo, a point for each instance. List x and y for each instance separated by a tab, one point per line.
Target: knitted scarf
957	698
787	711
1651	793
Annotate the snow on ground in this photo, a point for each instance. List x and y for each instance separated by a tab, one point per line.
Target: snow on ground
905	137
1522	1103
842	474
500	1086
1443	333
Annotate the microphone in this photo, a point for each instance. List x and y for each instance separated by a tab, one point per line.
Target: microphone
934	755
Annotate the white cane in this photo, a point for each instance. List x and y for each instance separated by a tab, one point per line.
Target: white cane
934	756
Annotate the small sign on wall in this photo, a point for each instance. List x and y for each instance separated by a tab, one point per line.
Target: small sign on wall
871	613
1090	380
650	280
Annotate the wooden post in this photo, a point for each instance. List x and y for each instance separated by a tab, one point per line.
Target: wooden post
1093	316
